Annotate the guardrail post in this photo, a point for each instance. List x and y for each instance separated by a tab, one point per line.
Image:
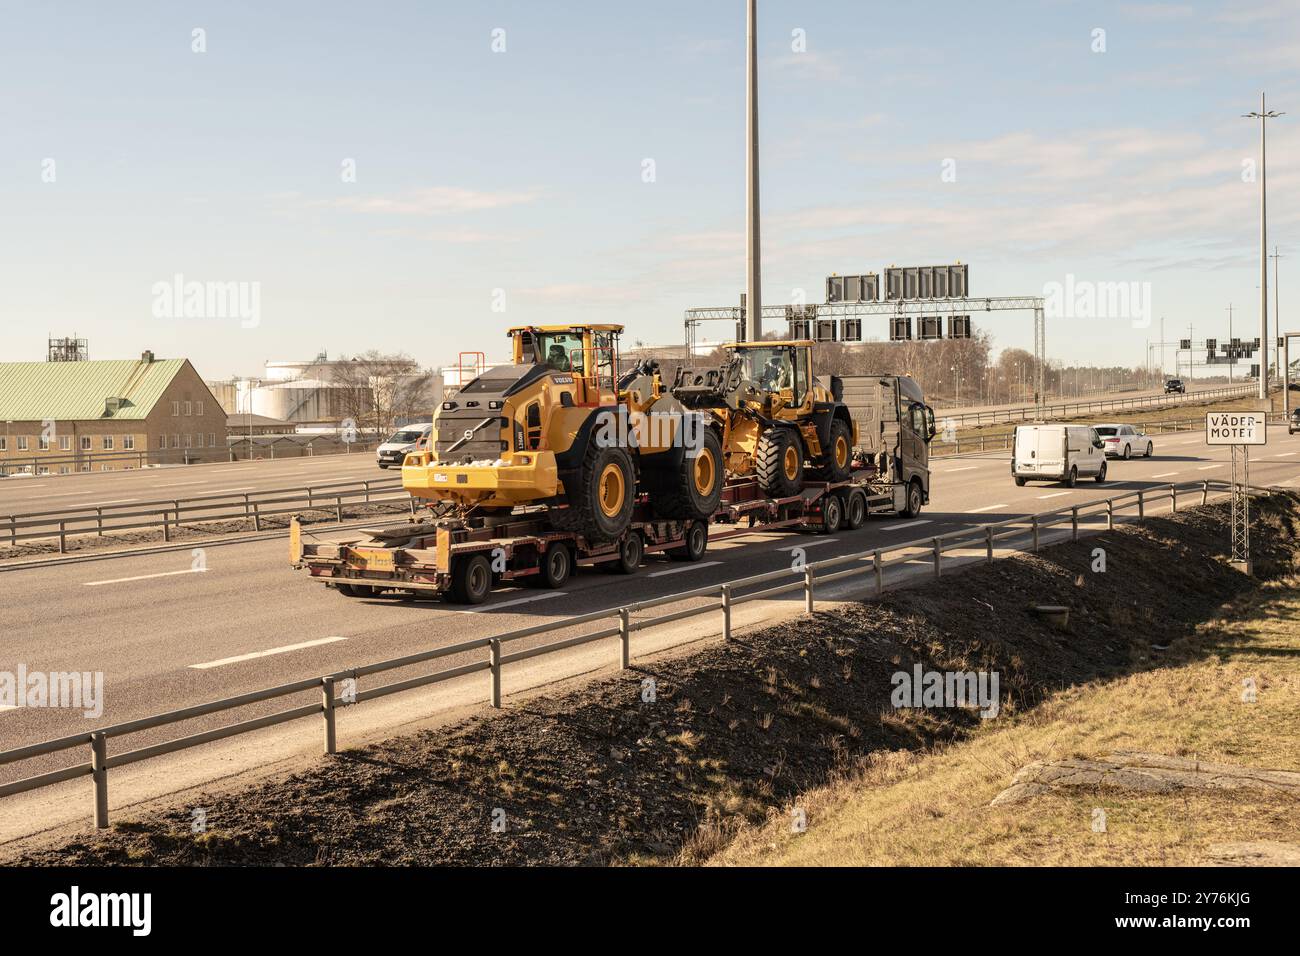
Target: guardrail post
63	537
878	567
808	589
327	711
726	612
1173	496
167	529
938	557
412	504
1035	526
99	521
257	517
1110	514
1205	492
176	510
338	507
624	638
494	656
310	500
248	511
1074	523
13	530
99	774
1142	511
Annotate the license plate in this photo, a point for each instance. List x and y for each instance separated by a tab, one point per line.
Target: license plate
370	559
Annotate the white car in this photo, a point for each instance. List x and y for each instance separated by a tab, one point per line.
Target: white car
1125	441
1057	453
404	441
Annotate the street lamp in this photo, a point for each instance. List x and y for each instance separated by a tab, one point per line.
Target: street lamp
958	371
1263	114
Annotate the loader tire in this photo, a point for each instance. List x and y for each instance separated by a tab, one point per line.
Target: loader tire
693	490
601	500
838	460
778	463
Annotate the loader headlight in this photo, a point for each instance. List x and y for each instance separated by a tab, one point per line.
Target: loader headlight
494	405
523	460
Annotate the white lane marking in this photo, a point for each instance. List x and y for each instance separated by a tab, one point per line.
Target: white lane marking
1222	464
976	511
527	600
688	567
144	577
906	524
1164	474
1054	494
810	544
7	707
951	471
177	484
1285	454
222	491
256	654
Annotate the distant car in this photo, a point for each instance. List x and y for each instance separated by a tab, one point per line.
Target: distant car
404	441
1125	441
1293	423
1175	385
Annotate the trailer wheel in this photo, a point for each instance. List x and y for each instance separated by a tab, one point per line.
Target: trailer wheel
832	514
348	590
697	542
556	566
471	579
630	552
914	499
603	496
855	512
694	488
838	460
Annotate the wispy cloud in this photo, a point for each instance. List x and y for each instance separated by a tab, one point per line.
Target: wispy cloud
431	201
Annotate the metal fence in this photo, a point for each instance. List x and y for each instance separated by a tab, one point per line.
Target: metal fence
978	443
931	550
236	449
1031	413
168	513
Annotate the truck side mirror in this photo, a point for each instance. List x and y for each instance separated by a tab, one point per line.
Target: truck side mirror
930	430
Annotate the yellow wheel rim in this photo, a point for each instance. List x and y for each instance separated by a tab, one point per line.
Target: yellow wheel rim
841	452
705	470
791	462
612	490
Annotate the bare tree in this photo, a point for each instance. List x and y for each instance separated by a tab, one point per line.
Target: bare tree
377	391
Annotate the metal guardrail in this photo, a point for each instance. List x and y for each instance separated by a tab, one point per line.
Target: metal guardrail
168	513
978	443
932	549
1031	413
84	462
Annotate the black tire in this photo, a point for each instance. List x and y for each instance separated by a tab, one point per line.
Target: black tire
1020	482
838	460
1072	478
596	508
779	462
1101	475
630	551
1149	450
855	511
383	467
694	488
471	579
348	590
1128	451
915	499
832	514
556	566
697	542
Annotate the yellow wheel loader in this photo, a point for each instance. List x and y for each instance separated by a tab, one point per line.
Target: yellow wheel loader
777	422
556	428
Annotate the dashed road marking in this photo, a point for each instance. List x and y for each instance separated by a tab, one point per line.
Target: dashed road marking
906	524
526	600
144	577
688	567
976	511
268	653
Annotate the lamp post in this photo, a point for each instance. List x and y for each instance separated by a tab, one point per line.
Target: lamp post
753	251
1263	114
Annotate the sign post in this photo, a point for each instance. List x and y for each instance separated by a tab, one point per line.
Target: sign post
1240	430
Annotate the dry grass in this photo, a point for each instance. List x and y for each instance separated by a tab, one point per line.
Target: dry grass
916	809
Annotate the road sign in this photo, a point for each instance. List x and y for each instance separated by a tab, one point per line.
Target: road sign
1235	428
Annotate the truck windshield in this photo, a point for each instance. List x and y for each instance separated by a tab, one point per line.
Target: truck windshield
771	368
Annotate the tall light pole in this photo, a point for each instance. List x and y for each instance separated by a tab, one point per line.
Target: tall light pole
1232	352
1277	306
753	252
1263	114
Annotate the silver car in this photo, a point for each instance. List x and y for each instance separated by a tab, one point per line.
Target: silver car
406	440
1125	441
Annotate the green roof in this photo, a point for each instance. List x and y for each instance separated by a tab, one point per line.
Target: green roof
78	391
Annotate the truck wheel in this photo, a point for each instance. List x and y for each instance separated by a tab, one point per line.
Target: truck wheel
696	543
557	565
778	463
630	552
694	488
855	511
600	506
471	579
1101	475
832	514
1020	482
839	453
915	499
1073	478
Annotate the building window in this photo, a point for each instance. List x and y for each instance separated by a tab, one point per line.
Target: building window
162	441
212	439
176	441
63	469
4	442
85	443
42	444
86	466
43	470
65	443
105	467
187	441
128	442
189	410
108	443
198	408
22	442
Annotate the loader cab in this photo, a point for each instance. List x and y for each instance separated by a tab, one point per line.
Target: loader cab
783	368
587	352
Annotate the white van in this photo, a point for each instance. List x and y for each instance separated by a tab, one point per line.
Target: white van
1058	453
403	441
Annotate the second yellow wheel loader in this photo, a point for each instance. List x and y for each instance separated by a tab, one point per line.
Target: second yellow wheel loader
556	428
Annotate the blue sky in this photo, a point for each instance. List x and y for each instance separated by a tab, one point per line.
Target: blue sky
522	170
